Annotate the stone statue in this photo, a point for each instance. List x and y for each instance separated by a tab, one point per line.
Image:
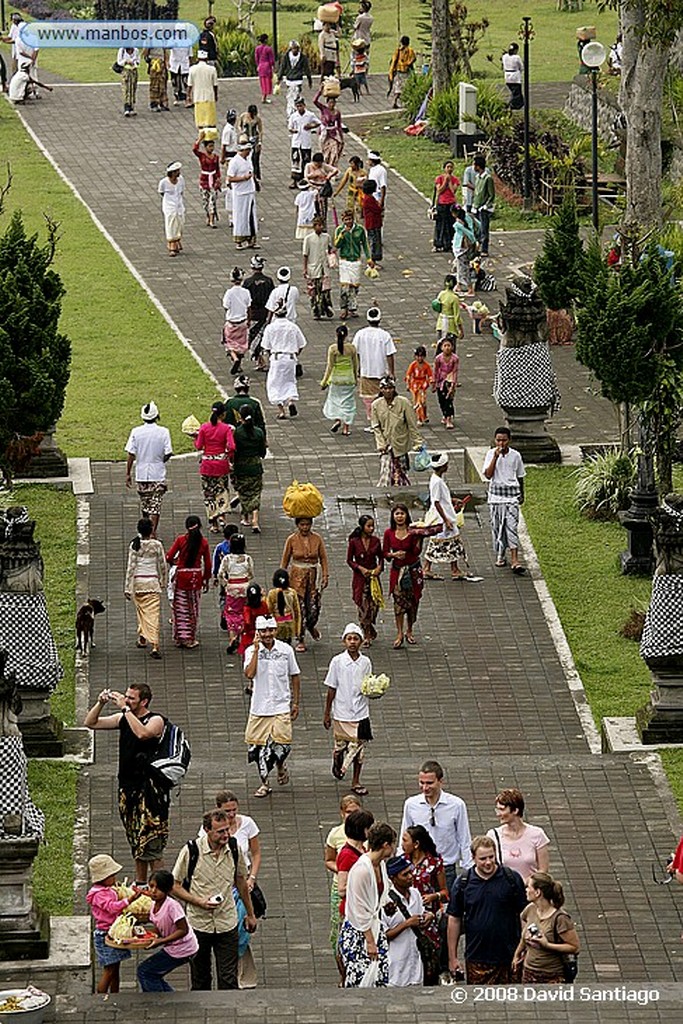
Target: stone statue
10	701
667	528
21	564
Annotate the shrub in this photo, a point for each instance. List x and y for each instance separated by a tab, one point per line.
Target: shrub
235	49
443	110
559	267
491	106
414	92
604	484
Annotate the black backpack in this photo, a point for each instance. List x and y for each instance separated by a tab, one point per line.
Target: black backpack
171	759
193	857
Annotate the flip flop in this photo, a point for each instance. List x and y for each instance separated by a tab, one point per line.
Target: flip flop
501	564
519	570
141	642
360	790
263	790
432	576
398	644
411	640
473	579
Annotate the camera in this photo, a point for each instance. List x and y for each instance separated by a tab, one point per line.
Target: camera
533	930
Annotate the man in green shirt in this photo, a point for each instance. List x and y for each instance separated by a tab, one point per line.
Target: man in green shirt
351	242
484	200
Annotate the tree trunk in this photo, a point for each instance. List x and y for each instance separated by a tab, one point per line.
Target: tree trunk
640	95
442	48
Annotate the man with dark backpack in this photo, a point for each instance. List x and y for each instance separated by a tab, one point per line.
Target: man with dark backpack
485	904
204	874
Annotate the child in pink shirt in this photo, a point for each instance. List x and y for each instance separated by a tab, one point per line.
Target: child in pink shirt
105	907
176	935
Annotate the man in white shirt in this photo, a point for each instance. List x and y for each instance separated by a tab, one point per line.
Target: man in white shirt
376	349
504	469
286	291
300	126
242	182
444	815
202	91
346	708
273	682
149	447
377	172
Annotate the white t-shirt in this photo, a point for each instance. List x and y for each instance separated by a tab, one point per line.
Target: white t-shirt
345	676
302	138
520	854
272	691
149	443
202	79
405	963
236	303
124	58
378	174
291	292
305	204
229	138
172	195
373	345
281	335
440	491
238	167
504	486
179	60
513	67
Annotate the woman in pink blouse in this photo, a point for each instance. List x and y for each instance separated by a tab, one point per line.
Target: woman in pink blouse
445	187
264	58
520	846
216	441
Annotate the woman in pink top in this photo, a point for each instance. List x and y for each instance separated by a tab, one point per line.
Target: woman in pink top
445	187
176	935
446	367
216	441
519	846
264	58
190	559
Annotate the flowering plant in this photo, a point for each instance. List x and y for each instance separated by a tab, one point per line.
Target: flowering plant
375	687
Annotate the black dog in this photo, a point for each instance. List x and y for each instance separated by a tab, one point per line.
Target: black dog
352	84
85	623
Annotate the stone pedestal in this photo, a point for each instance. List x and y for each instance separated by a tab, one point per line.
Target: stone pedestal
24	930
532	440
661	721
638	558
50	461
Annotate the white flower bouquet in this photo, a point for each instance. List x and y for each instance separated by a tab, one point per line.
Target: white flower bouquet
374	687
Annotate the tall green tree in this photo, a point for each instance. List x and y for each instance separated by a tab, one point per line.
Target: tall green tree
35	356
558	270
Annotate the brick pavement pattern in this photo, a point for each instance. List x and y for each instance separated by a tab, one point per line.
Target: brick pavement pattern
483	691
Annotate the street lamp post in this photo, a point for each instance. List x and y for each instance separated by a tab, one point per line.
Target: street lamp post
526	33
274	8
593	56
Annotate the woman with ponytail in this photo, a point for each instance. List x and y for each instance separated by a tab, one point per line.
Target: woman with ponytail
250	451
340	379
145	579
283	605
190	558
216	441
548	933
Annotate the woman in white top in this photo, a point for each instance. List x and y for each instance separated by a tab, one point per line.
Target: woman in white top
283	340
447	545
362	940
236	303
145	580
513	68
171	189
520	846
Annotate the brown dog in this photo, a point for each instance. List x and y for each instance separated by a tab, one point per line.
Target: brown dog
85	623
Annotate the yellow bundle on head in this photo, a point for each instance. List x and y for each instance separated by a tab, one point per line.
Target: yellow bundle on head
190	425
302	500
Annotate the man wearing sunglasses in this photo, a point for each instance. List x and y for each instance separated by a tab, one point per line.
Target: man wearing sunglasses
444	815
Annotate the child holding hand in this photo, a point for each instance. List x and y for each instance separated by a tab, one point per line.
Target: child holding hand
105	906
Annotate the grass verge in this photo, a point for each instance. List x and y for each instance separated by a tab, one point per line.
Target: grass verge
53	789
105	375
579	559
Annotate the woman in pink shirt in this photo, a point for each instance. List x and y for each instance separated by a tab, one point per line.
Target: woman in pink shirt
445	187
216	441
519	846
264	58
175	935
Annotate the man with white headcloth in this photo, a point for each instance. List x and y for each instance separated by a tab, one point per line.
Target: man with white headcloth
243	184
274	683
346	707
149	447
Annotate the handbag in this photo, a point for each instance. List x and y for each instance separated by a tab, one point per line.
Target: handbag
429	953
258	901
117	68
431	212
326	190
570	961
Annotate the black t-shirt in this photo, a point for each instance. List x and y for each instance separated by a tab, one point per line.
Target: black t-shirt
207	42
259	287
134	753
489	910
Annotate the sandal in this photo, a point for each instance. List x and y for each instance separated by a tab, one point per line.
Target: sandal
282	776
411	640
500	563
300	648
263	790
360	790
155	653
141	642
195	643
398	644
519	570
432	576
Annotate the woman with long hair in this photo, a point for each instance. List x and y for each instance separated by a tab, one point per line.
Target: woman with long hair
216	441
209	175
429	878
362	939
548	933
332	132
283	605
255	604
190	559
145	579
341	379
464	249
264	59
352	179
402	548
235	574
250	451
251	125
305	557
365	559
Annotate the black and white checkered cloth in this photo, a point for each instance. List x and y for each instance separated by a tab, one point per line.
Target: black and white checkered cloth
663	629
26	636
525	378
14	795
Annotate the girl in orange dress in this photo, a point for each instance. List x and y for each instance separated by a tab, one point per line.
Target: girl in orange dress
419	378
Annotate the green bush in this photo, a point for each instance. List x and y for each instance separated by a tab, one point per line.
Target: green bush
235	49
559	267
443	110
491	106
414	92
604	484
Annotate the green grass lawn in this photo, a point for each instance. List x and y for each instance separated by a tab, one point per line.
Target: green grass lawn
553	49
53	789
107	385
579	558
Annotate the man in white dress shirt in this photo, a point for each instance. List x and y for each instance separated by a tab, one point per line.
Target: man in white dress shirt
444	815
300	125
346	708
273	681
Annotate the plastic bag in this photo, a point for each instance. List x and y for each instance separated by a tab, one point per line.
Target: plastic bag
460	518
421	459
369	979
302	500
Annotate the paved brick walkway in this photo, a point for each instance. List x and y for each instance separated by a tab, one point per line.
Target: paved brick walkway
484	690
